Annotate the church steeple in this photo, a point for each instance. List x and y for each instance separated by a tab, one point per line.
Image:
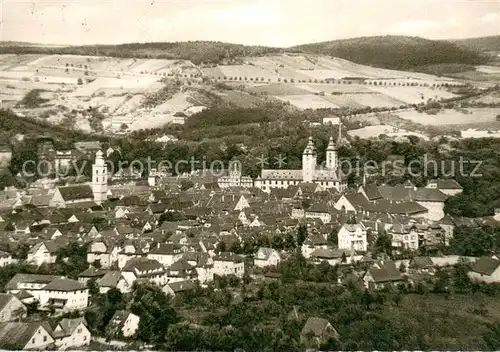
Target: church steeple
100	178
310	148
331	145
331	155
309	162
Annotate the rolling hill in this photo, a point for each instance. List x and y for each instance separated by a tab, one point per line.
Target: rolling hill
395	52
482	44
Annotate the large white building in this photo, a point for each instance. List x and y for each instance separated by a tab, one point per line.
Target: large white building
235	178
327	176
353	236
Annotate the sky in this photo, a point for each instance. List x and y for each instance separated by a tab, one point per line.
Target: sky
279	23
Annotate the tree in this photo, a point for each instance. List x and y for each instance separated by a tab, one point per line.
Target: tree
383	244
92	286
301	235
155	310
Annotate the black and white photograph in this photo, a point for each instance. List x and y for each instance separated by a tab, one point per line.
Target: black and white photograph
249	175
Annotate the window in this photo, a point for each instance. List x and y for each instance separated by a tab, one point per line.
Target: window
45	338
79	331
33	340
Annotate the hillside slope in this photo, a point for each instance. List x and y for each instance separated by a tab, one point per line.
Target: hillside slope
483	44
195	51
395	52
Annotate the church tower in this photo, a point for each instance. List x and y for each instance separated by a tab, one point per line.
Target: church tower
309	162
235	169
99	179
332	160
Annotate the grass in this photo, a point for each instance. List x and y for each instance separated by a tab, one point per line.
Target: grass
453	117
451	323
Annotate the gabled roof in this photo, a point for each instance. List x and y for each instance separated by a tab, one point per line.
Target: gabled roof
68	326
446	184
15	336
263	253
485	265
29	278
316	326
78	192
92	272
181	286
163	249
386	272
65	285
372	192
142	264
52	247
405	194
110	279
421	263
228	257
5	299
181	265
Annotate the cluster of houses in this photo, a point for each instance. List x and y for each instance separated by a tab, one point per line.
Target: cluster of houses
173	238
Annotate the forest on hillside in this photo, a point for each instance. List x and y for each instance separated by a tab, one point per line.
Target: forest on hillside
394	52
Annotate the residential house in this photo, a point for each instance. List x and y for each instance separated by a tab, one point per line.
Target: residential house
91	274
43	253
123	323
319	211
334	256
64	294
32	336
131	249
11	308
181	270
421	264
485	269
266	257
51	291
353	237
71	333
174	288
313	241
165	253
382	274
226	263
203	264
317	331
104	251
114	279
144	269
403	237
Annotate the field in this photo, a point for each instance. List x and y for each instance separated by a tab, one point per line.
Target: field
119	87
308	101
390	131
453	117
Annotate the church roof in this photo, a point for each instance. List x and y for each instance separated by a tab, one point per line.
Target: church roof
281	174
